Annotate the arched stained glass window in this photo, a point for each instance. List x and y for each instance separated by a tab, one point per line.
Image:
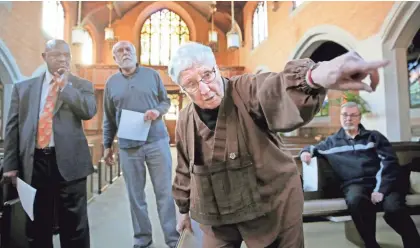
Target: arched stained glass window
259	24
53	19
162	33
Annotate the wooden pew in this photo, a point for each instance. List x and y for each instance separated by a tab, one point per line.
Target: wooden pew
299	140
89	179
294	144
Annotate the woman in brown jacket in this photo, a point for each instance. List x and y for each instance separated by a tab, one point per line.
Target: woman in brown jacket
234	176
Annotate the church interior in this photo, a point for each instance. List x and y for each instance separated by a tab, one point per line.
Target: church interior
246	37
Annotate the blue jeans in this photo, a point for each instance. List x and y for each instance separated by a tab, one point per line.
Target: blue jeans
158	159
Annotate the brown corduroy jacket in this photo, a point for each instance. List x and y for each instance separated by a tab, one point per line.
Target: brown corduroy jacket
249	174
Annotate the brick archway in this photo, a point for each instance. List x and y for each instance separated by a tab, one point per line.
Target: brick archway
308	44
9	75
397	33
314	37
9	70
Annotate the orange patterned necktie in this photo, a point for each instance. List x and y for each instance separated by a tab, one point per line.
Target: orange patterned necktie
45	119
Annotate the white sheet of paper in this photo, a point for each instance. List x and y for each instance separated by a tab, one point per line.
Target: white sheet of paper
310	175
133	126
191	240
27	197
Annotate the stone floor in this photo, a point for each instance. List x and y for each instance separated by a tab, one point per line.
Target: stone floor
110	224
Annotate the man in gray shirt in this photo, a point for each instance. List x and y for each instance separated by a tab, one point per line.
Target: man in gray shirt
140	89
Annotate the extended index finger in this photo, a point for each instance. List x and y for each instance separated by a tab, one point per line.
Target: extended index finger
374	79
374	65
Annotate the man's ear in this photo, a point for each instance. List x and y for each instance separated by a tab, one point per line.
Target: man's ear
44	57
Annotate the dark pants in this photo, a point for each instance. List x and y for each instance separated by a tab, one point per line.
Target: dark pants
363	213
57	199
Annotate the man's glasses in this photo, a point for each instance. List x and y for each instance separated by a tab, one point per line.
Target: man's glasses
56	55
207	78
352	116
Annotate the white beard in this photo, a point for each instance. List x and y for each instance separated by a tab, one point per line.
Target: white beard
347	128
127	64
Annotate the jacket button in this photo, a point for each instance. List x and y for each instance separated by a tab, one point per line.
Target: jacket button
232	155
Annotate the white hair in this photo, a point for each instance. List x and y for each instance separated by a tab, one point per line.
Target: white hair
351	105
187	56
123	41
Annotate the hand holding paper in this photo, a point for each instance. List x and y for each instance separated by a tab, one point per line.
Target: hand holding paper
27	197
133	126
151	114
310	175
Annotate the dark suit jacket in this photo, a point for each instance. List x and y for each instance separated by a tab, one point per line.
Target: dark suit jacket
76	102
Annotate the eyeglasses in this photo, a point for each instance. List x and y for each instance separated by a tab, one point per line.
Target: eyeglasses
207	78
351	116
121	50
56	55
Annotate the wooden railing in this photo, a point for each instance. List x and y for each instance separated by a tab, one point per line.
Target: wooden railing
98	74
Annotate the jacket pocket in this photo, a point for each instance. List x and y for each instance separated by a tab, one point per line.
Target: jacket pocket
232	185
202	197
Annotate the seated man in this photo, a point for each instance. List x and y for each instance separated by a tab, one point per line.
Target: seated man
368	169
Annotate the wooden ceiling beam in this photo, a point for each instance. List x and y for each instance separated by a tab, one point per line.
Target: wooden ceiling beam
225	7
93	12
117	9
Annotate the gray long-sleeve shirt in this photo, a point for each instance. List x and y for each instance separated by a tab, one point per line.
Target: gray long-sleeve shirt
139	92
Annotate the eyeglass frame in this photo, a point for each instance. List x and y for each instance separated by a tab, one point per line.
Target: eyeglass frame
197	83
351	116
55	55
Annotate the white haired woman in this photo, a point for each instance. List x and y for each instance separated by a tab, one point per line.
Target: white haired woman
234	176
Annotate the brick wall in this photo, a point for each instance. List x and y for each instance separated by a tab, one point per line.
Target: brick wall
20	30
287	26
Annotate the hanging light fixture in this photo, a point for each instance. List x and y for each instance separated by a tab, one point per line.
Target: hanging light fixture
233	39
78	33
109	31
212	32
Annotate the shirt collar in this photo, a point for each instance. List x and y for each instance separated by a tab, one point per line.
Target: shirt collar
48	77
